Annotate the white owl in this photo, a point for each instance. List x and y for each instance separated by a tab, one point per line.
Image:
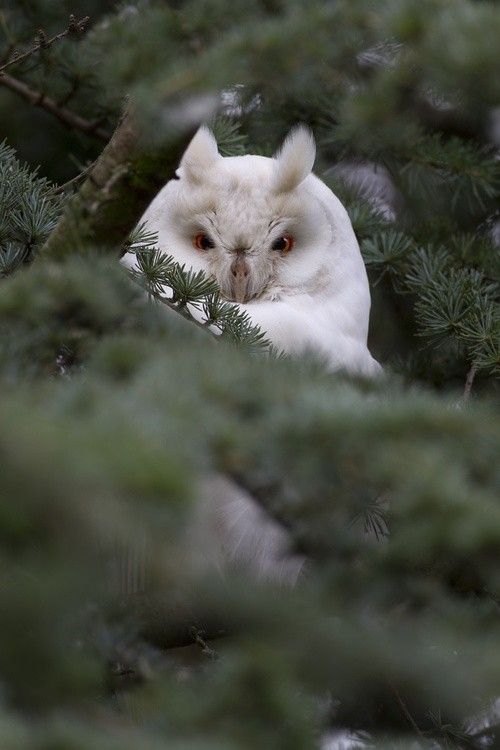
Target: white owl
281	246
277	240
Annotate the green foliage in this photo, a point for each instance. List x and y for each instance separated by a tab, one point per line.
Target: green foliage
454	304
157	405
190	293
118	403
29	210
230	139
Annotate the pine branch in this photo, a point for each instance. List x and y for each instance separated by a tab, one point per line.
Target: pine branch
65	116
172	305
157	272
29	210
74	27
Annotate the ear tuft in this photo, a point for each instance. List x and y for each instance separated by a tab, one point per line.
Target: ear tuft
201	154
295	159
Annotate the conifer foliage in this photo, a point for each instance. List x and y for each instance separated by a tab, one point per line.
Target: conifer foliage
118	403
29	210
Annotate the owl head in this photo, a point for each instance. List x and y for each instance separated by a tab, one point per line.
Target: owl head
262	227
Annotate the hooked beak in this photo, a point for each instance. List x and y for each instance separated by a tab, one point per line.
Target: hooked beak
240	277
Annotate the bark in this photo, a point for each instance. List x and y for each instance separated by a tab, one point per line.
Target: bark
116	191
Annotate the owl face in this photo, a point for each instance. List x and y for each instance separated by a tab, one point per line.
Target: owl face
250	222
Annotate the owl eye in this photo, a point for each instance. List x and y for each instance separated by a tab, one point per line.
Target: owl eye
283	244
202	241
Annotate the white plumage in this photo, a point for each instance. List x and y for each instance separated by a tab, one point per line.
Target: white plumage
277	240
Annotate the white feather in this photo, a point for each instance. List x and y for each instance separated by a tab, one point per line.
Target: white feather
200	156
295	160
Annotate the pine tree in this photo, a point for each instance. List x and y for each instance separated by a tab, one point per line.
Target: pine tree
117	403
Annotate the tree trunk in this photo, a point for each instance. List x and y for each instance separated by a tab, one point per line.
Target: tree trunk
117	190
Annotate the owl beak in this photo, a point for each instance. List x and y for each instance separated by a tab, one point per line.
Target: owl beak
240	275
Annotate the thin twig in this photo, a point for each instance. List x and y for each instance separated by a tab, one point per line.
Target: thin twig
66	116
406	712
469	381
10	49
199	639
64	100
74	180
74	27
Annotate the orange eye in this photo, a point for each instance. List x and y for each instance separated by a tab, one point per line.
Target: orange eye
283	244
202	241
